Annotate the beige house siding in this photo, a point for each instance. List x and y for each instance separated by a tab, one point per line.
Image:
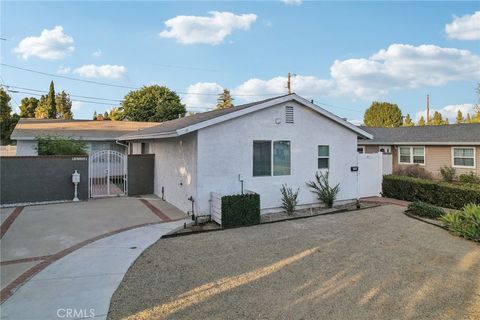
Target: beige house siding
437	157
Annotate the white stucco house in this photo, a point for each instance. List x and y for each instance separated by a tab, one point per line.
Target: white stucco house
98	134
265	144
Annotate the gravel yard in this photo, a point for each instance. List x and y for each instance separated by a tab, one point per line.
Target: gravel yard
375	263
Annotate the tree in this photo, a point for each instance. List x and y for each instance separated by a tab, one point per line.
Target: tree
224	100
52	105
407	122
459	118
42	109
7	120
383	114
437	119
116	114
468	119
421	121
63	106
94	115
152	103
28	106
106	116
57	145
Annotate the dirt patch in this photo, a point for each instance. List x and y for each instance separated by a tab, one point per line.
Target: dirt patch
368	264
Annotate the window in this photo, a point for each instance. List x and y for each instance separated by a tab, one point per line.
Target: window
281	158
384	149
288	114
411	155
145	148
263	157
464	157
323	157
361	149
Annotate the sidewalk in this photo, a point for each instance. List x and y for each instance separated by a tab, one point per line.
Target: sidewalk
84	281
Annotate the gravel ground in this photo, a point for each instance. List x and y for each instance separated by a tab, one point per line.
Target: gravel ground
375	263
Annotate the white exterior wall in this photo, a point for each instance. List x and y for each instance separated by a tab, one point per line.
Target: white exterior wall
175	169
136	148
27	148
225	150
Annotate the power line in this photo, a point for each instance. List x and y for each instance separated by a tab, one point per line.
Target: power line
72	95
78	100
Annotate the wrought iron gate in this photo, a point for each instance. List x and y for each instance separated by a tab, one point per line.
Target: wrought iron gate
108	174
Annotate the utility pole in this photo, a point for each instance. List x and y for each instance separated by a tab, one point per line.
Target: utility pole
428	109
289	83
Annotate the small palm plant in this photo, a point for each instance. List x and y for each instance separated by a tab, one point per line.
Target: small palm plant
321	187
289	199
465	223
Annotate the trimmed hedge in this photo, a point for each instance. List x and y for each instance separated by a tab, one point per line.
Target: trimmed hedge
441	194
240	210
422	209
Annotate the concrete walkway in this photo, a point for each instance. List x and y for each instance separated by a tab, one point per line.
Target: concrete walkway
81	284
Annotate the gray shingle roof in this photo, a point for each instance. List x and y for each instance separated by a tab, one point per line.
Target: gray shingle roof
28	129
449	134
173	125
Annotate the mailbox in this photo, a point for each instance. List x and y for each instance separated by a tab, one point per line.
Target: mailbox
75	177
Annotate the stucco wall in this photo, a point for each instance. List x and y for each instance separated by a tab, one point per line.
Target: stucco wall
175	169
226	150
26	148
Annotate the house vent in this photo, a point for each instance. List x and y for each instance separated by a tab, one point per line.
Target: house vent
288	114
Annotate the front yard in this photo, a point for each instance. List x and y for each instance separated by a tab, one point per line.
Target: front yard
375	263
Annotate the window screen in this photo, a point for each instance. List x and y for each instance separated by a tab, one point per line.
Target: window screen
262	158
281	158
323	157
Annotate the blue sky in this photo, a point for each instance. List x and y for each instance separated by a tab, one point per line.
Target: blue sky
343	54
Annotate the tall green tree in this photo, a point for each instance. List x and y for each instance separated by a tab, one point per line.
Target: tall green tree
94	117
383	114
437	119
407	122
52	105
152	103
63	106
7	120
224	100
421	121
28	105
459	118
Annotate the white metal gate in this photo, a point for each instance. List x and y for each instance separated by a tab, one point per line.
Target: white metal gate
108	174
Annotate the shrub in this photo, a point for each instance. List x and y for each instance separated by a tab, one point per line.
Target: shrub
466	223
321	187
442	194
469	178
414	171
56	145
240	210
423	209
448	173
289	199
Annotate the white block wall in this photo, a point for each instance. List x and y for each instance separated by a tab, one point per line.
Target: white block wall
26	148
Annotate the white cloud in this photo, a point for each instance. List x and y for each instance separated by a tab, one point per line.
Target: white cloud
51	44
64	69
449	111
207	30
208	97
97	53
399	66
357	122
77	105
104	71
292	2
466	27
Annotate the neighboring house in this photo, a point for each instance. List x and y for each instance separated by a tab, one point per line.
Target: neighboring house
432	147
99	134
260	146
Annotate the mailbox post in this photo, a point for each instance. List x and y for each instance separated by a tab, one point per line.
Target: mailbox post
76	181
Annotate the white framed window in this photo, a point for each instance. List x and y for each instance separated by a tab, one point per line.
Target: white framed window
268	155
463	157
361	149
411	155
323	157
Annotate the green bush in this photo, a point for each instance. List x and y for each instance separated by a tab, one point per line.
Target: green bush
414	171
56	145
469	178
425	210
321	187
441	194
289	199
240	210
448	173
465	223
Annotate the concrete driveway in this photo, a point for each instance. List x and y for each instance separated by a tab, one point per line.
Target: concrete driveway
375	263
34	235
